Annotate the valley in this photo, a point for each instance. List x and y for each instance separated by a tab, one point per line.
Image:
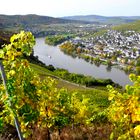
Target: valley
70	78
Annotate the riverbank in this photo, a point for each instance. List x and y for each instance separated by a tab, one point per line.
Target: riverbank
75	65
77	50
43	72
78	80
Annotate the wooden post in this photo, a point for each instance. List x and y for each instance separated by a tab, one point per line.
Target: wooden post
15	116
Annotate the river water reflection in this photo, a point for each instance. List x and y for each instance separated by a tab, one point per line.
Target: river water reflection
52	55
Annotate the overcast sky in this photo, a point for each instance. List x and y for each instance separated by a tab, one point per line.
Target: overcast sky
59	8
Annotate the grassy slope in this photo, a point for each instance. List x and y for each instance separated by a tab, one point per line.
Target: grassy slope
130	26
99	95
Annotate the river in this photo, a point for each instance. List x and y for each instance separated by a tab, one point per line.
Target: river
52	55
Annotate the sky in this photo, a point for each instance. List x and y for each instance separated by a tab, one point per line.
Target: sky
60	8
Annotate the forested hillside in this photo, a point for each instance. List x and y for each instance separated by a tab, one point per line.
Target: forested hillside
104	19
23	20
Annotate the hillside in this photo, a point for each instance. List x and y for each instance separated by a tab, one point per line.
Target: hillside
135	26
23	20
103	19
38	25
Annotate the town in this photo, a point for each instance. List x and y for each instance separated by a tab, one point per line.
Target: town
120	48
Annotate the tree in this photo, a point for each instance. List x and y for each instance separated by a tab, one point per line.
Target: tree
109	63
138	70
79	50
134	51
126	60
97	61
138	62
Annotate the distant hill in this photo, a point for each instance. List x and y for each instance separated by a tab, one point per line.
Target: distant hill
38	25
104	19
22	20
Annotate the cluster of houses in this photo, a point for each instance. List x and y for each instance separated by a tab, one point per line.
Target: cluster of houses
123	45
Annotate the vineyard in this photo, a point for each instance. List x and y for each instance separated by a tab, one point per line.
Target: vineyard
47	112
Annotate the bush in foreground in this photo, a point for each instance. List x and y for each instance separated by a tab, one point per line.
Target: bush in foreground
124	111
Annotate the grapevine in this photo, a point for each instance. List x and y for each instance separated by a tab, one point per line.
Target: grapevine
36	102
124	111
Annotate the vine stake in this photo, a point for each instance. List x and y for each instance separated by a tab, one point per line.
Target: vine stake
15	116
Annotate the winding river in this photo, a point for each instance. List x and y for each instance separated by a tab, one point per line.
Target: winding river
52	55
